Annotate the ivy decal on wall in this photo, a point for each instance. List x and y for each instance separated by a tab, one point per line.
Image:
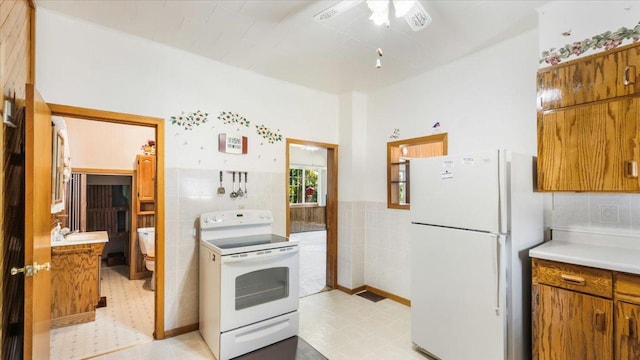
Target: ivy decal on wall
609	40
396	134
228	117
268	134
189	120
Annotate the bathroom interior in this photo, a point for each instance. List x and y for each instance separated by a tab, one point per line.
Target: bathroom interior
108	175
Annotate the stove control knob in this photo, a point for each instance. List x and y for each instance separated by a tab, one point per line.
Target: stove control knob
206	220
214	219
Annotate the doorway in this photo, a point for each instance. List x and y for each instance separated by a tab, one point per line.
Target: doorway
155	312
311	210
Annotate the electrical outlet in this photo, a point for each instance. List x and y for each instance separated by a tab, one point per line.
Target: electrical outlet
609	213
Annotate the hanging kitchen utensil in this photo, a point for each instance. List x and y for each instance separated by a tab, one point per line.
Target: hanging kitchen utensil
245	183
234	194
240	192
221	190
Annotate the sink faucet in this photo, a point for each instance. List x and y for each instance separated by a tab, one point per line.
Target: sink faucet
66	232
56	233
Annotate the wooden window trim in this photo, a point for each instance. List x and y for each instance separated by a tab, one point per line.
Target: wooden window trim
423	140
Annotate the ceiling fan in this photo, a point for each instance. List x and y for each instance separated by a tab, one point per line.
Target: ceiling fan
412	11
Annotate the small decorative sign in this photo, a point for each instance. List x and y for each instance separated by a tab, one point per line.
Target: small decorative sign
232	144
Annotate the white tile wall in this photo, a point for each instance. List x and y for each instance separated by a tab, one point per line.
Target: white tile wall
345	255
614	213
189	192
387	249
373	247
351	239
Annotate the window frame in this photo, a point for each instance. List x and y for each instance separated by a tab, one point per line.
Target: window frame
318	190
415	148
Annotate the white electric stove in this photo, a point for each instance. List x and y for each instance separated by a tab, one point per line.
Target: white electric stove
249	280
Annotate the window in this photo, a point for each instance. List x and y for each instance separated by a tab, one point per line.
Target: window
399	155
303	185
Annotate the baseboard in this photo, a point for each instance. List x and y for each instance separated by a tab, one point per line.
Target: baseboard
374	290
350	291
181	330
73	319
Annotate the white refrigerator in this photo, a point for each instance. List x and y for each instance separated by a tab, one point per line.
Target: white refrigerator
473	219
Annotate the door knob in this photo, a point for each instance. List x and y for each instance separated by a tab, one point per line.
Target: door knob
27	270
31	270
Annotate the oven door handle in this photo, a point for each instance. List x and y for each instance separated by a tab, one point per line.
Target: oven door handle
260	255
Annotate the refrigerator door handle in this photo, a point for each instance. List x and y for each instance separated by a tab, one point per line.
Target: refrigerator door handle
498	272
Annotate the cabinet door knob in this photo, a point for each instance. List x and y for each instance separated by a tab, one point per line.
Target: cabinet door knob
600	321
629	75
631	169
631	327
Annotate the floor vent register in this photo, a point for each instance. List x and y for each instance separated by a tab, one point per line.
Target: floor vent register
371	296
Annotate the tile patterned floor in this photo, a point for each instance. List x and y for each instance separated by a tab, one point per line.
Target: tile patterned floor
313	254
340	326
127	320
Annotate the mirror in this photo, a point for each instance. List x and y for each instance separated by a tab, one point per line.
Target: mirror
57	171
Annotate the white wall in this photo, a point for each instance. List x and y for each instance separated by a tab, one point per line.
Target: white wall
483	101
306	157
101	145
86	65
566	22
352	173
612	213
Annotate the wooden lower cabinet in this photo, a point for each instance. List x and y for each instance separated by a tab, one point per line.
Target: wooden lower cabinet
580	312
570	325
627	318
75	283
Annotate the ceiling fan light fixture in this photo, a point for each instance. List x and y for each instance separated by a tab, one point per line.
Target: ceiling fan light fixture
380	18
402	7
379	11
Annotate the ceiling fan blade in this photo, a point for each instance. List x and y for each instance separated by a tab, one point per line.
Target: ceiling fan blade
417	17
336	9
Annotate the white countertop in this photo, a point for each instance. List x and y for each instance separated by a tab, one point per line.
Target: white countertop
597	256
83	238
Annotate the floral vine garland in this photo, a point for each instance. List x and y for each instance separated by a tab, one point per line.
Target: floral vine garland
228	117
609	40
268	134
189	120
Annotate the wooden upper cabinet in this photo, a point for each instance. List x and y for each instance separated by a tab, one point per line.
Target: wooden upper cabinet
146	177
588	122
590	148
629	69
598	77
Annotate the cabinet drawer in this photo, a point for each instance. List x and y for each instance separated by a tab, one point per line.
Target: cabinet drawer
628	287
573	277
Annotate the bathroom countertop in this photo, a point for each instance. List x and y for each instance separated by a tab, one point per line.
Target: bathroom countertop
82	238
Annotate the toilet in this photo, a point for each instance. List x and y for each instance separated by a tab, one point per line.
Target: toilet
147	241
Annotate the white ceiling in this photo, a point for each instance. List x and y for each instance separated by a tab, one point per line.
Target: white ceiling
280	39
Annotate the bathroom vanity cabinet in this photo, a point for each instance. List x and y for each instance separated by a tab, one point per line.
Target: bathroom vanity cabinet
75	283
